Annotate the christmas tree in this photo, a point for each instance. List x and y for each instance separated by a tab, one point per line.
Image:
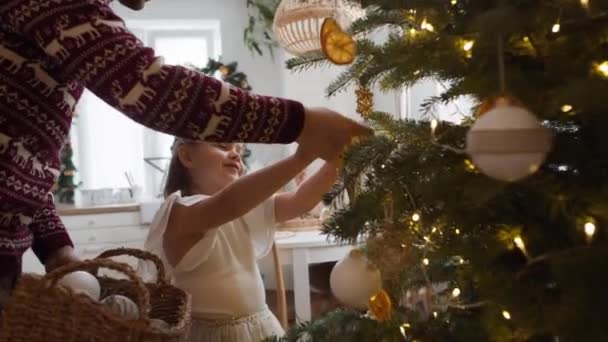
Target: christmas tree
65	183
494	228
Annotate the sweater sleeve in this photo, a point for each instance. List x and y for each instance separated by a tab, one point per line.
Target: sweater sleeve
87	42
48	230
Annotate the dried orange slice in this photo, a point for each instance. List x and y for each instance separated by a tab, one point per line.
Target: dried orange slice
339	47
329	25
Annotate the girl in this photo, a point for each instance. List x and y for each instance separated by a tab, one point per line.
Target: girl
215	223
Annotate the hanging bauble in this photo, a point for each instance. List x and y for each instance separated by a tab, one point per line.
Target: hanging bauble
297	23
365	101
507	142
354	280
380	306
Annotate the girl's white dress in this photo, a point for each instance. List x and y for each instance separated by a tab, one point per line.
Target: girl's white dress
221	273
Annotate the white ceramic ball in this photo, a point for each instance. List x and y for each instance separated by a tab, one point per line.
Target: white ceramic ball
122	305
81	282
508	143
354	280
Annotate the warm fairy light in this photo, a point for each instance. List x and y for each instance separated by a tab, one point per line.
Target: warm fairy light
602	68
434	230
457	231
403	328
425	261
434	124
425	25
526	39
382	166
469	165
435	314
402	245
519	242
454	2
555	28
416	217
468	45
566	108
506	314
585	3
589	231
413	31
427	239
455	292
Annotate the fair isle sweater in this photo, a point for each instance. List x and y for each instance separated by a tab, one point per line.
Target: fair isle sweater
50	50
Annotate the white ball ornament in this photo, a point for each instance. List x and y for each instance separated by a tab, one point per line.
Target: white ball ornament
354	280
508	142
122	305
81	282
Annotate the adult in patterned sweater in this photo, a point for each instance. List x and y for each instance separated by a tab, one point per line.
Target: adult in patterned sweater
50	50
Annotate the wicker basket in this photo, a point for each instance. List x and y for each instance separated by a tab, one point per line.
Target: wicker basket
40	311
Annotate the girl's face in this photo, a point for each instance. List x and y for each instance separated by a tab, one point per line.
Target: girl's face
212	166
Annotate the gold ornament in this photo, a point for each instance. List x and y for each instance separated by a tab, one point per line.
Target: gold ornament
381	306
224	70
365	101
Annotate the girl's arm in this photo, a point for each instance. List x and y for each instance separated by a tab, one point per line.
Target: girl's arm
236	199
308	195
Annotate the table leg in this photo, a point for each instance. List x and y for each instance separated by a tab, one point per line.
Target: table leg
301	284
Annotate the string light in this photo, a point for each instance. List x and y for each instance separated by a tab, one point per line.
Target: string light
434	124
425	25
416	217
602	68
413	31
433	230
526	39
555	28
403	328
382	166
585	3
435	314
427	239
589	231
566	108
454	2
469	165
456	292
468	45
425	261
457	231
519	242
506	314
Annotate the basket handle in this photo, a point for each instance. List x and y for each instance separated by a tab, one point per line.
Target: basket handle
140	254
143	296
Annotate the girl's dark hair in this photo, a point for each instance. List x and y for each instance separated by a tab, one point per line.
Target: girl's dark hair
178	177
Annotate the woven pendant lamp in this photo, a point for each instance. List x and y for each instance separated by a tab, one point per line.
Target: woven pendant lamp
297	23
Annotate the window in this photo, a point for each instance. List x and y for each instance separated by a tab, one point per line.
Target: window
109	144
412	98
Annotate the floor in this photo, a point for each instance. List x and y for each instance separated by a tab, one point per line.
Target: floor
321	298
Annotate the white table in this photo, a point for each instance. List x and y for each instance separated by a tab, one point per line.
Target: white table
300	249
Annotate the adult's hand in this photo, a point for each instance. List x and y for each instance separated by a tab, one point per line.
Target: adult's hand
62	256
327	132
